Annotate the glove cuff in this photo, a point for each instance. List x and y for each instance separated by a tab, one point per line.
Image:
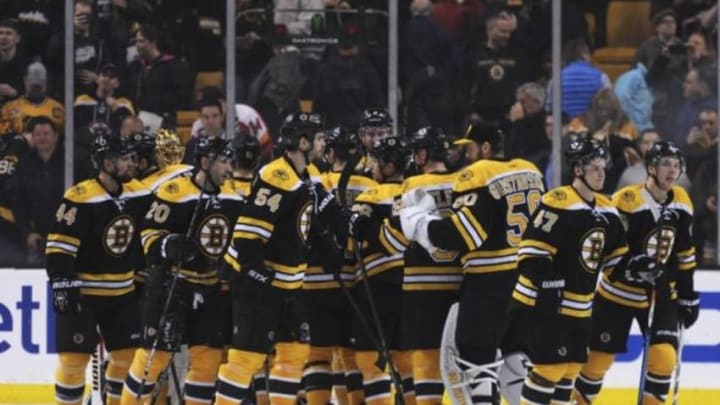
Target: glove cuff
691	300
557	283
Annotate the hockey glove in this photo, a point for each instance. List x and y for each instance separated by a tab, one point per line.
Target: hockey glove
689	308
66	295
177	248
262	276
642	269
549	294
358	226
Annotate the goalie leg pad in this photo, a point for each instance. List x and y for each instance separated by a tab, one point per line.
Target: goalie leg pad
70	377
116	373
512	374
590	380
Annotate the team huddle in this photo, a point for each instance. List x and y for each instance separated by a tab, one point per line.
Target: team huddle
386	270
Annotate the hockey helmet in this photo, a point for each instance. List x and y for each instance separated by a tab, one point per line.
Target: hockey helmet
342	141
143	144
247	150
392	149
433	140
376	117
169	150
663	149
108	146
297	126
582	151
213	148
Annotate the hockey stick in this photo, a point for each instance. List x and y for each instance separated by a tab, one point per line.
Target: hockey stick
173	283
653	299
678	366
394	374
98	378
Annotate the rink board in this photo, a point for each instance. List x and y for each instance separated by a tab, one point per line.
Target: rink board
28	356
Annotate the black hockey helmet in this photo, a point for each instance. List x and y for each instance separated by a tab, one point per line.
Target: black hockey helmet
341	140
247	150
297	126
143	144
376	117
99	128
582	151
663	149
392	149
213	148
432	139
108	146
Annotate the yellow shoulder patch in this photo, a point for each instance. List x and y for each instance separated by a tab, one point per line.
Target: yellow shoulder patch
380	194
561	197
628	199
177	189
84	191
280	174
680	196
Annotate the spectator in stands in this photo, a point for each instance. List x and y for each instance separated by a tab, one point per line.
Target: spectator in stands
212	116
698	93
159	82
13	148
252	52
637	173
496	69
91	50
543	158
527	134
131	125
705	202
635	97
35	102
701	142
429	63
347	84
606	123
665	30
297	21
580	79
39	186
12	61
102	104
37	21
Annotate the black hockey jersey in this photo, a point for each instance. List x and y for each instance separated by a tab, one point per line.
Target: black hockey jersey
172	212
272	229
12	148
316	276
571	238
377	203
96	236
493	203
641	214
423	271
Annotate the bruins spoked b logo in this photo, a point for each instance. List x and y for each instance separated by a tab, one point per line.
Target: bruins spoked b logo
593	243
214	235
664	246
118	235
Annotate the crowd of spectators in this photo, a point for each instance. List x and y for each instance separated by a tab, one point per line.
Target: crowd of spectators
136	62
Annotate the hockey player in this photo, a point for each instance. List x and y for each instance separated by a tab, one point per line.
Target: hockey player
658	216
159	157
575	233
384	274
375	124
268	256
91	252
431	281
186	232
247	157
493	202
329	312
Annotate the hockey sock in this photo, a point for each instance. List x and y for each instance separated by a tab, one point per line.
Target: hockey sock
404	363
539	385
376	383
202	373
661	362
318	375
70	378
116	373
259	386
339	383
353	376
131	389
287	371
426	374
590	380
234	377
564	387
